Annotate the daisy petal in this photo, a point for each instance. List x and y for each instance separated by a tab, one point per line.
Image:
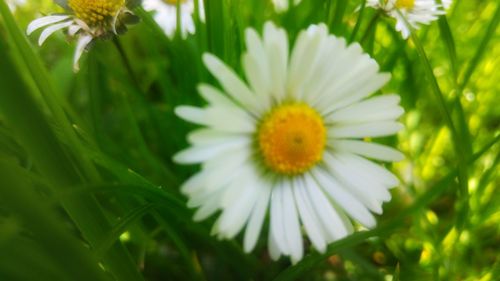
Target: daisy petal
308	217
303	59
240	120
210	136
276	44
209	207
257	218
193	184
191	114
83	41
355	92
374	109
256	66
236	215
274	251
198	154
370	194
226	188
277	220
291	225
362	130
230	82
214	96
73	29
330	219
343	198
216	117
51	29
372	169
368	149
44	21
352	69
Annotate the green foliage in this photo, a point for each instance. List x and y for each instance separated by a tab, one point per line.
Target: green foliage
88	189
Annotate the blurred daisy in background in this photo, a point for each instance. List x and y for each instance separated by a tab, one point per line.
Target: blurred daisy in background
446	3
165	14
416	12
14	4
86	20
291	140
282	5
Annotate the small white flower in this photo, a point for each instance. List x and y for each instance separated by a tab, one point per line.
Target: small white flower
85	20
416	12
282	5
290	140
166	15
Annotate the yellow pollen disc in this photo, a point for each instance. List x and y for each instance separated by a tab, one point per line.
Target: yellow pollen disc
292	138
95	11
405	4
174	2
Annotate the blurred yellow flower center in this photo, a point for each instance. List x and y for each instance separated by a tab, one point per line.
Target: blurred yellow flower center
95	11
405	4
292	138
174	2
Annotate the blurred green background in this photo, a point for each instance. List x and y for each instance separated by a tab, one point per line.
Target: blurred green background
88	190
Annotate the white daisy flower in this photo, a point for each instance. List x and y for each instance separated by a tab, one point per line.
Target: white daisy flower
85	20
416	12
166	15
291	139
282	5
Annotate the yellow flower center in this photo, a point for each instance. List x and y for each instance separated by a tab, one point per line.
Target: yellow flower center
405	4
174	2
292	138
94	12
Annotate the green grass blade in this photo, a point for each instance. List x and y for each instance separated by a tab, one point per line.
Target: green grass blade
53	161
462	130
336	25
181	245
42	79
449	42
361	13
215	26
73	258
397	273
481	49
458	138
125	223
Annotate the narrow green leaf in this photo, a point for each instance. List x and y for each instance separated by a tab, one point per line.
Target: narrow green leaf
336	26
361	14
70	254
118	229
42	79
396	276
449	42
53	160
481	50
457	138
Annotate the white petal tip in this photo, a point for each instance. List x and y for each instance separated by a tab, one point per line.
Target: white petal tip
186	112
398	156
180	111
181	158
208	58
247	248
